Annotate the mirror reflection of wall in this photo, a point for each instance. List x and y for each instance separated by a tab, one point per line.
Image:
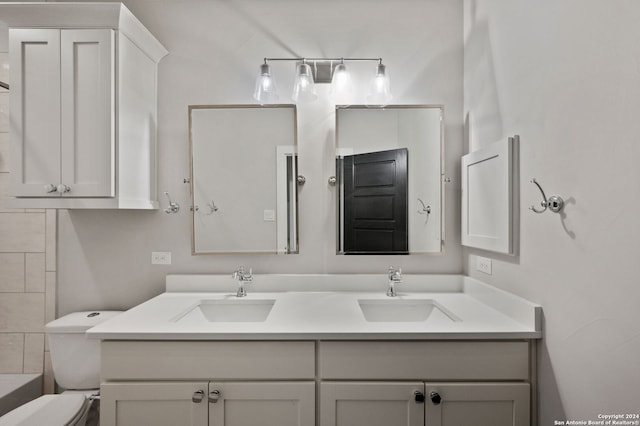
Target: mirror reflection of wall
381	220
244	179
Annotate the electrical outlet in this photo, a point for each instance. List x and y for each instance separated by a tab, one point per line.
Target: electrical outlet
161	258
483	264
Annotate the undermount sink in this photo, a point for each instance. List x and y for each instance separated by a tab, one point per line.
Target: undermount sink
233	310
397	310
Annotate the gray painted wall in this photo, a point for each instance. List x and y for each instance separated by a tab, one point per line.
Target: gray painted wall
564	75
215	49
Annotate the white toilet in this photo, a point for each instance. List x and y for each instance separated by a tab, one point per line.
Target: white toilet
76	367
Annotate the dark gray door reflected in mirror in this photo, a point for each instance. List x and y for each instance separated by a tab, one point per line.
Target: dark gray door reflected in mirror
368	221
375	202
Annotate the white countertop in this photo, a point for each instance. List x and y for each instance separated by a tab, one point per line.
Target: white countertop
470	310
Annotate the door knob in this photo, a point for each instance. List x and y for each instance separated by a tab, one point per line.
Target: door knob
435	398
62	188
50	188
198	396
418	396
214	396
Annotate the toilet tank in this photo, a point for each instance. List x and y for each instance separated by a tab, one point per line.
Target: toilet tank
74	357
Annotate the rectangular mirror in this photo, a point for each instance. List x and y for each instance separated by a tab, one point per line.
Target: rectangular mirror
244	178
389	179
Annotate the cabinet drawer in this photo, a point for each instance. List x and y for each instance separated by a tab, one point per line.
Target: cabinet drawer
177	360
387	360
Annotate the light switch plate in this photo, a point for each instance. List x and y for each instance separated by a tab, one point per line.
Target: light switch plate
483	264
269	215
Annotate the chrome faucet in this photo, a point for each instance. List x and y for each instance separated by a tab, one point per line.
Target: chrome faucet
395	278
243	277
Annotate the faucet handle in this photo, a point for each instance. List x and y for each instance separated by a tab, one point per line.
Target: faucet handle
238	273
249	276
395	274
241	274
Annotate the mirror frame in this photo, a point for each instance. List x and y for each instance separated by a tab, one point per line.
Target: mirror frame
192	180
442	175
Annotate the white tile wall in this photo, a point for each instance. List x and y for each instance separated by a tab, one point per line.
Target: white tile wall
4	109
34	273
27	271
12	349
22	232
12	276
22	312
33	353
4	152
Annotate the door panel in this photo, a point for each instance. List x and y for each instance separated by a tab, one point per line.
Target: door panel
478	404
371	404
262	403
153	403
35	111
87	98
375	202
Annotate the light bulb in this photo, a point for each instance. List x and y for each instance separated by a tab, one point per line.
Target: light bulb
379	93
265	91
304	90
341	85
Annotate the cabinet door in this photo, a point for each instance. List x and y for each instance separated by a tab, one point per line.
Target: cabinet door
262	403
157	403
88	115
371	404
477	404
35	112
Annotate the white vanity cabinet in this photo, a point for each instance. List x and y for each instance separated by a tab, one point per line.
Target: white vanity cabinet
241	383
371	404
323	383
212	404
495	404
420	404
82	106
411	383
154	403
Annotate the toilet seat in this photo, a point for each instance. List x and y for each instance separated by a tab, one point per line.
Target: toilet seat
58	410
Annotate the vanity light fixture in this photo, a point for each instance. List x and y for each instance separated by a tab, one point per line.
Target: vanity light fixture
265	90
341	84
304	88
312	71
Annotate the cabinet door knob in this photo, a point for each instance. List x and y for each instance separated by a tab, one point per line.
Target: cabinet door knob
62	188
418	396
50	188
198	396
214	396
435	398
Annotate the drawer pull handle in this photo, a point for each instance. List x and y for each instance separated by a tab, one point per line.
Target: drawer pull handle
214	396
418	397
435	398
198	396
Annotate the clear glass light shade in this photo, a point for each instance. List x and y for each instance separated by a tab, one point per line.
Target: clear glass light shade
265	91
341	85
379	92
304	89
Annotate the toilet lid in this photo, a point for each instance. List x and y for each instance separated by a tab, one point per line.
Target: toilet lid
48	410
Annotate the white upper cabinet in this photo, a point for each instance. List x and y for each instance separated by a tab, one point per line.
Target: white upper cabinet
82	106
